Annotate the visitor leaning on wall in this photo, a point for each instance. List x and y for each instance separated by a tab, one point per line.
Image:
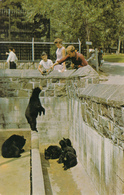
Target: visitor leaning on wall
77	59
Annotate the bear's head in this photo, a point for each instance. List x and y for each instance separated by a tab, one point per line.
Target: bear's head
36	91
68	141
62	143
19	141
47	154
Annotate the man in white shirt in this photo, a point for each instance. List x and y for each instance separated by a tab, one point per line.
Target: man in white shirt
45	64
12	58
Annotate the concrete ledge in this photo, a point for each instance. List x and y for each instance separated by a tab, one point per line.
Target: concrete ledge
84	72
81	72
59	75
104	93
37	174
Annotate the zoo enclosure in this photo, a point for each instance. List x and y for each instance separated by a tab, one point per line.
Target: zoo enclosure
31	51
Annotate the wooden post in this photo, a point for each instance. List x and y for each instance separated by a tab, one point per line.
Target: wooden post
79	45
96	54
32	49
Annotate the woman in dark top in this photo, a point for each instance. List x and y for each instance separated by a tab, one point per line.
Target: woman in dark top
76	58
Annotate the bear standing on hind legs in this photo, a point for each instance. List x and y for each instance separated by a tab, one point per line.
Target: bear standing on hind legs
34	108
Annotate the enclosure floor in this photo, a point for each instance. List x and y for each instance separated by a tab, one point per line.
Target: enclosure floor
74	181
15	175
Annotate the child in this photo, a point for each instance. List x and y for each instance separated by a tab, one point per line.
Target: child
45	64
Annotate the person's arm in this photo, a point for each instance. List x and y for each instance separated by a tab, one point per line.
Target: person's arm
40	68
62	60
63	55
9	57
83	61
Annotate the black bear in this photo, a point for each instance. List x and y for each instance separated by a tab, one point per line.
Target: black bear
70	160
52	152
66	146
34	108
12	147
68	156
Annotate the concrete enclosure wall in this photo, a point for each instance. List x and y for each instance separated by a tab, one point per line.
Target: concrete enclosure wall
78	107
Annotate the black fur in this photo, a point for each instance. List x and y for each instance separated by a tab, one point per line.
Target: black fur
70	160
67	141
66	148
68	156
34	108
52	152
12	147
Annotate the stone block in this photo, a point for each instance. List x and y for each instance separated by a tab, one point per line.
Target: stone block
49	93
11	93
90	81
2	92
60	90
14	85
1	73
95	110
81	83
104	125
27	85
107	111
23	93
118	116
62	81
89	118
95	80
43	82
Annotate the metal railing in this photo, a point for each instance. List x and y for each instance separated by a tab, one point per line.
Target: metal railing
31	51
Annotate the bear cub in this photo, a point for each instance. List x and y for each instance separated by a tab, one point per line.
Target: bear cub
12	147
34	108
52	152
68	156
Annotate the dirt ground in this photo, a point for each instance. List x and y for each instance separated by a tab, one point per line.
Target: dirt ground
57	181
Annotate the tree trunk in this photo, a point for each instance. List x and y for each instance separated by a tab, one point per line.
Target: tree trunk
88	39
119	44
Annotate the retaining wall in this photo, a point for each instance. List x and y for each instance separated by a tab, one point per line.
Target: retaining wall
77	106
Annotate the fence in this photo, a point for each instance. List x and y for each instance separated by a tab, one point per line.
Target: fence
31	51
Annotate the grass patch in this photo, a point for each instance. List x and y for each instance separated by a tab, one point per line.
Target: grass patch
114	58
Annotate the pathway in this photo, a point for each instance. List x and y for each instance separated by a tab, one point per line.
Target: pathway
112	73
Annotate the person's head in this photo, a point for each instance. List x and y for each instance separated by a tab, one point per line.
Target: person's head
71	51
44	56
58	42
10	48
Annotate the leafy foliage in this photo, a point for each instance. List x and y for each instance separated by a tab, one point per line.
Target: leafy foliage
101	22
